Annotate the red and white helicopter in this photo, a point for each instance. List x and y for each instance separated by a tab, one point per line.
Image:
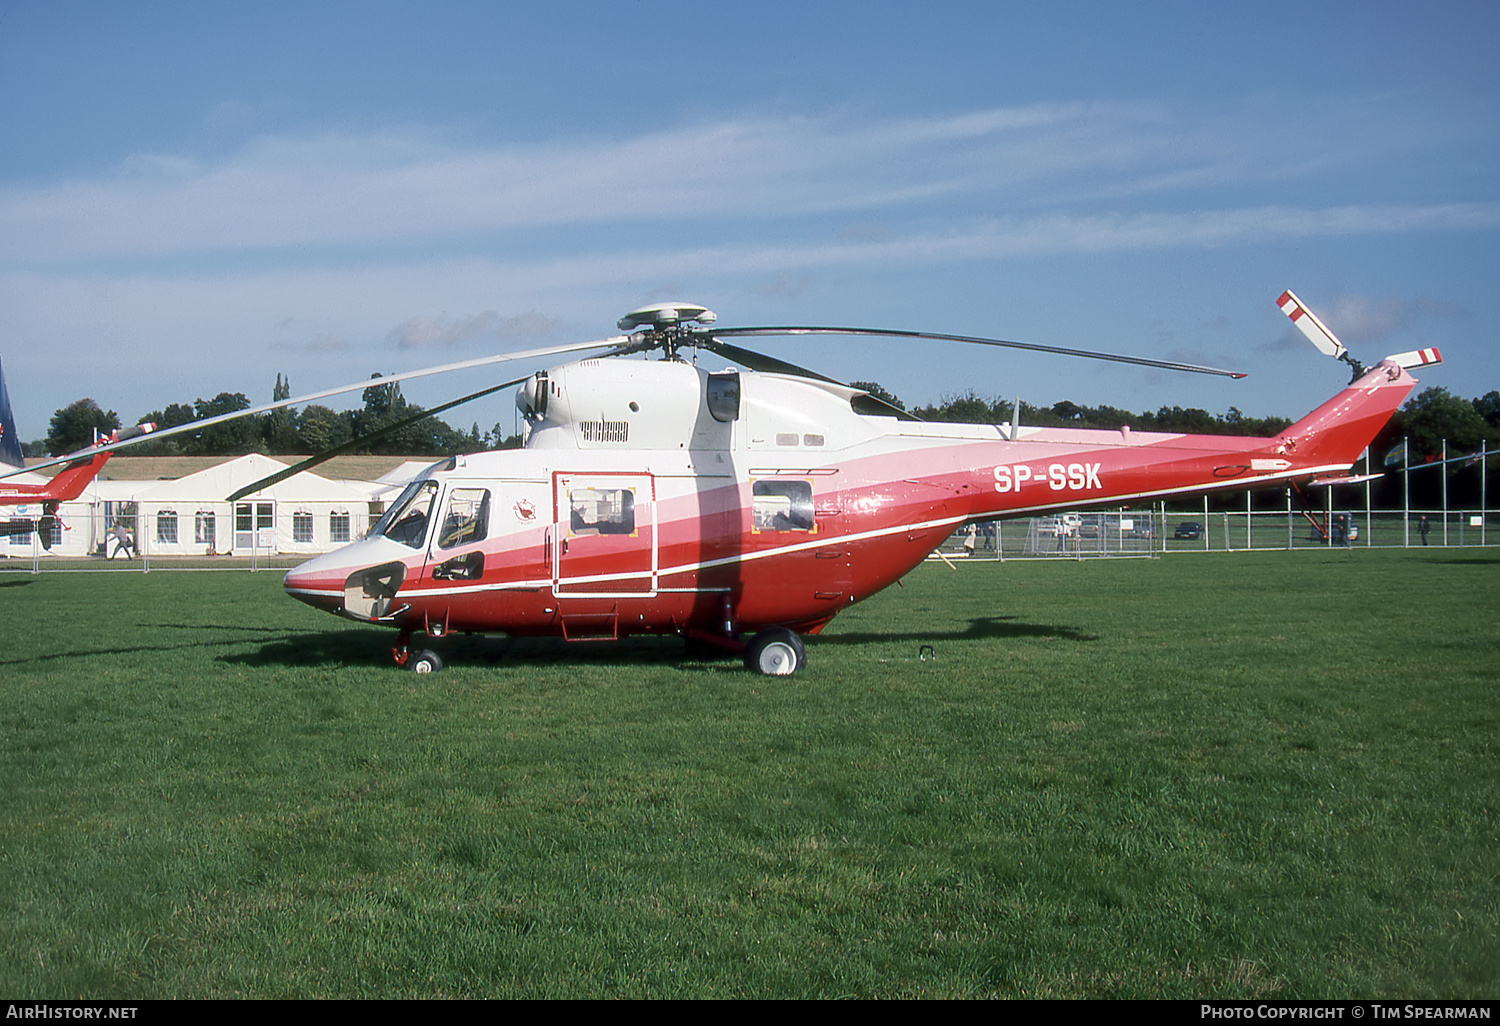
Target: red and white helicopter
68	484
746	509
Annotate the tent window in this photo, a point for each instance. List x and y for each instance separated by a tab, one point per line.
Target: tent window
338	527
302	531
166	527
203	529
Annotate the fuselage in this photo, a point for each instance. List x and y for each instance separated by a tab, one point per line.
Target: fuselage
657	497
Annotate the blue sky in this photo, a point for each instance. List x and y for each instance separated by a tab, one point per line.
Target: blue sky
197	197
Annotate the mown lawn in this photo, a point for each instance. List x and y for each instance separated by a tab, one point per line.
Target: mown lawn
1237	775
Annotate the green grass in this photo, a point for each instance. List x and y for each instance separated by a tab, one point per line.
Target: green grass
1256	775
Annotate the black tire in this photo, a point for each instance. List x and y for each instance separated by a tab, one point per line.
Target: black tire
776	652
425	661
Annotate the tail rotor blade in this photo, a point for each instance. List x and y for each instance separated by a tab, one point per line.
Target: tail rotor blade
1307	322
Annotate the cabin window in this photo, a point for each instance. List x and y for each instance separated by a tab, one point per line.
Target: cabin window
812	439
601	511
467	519
782	505
302	531
338	527
406	521
166	527
786	438
203	529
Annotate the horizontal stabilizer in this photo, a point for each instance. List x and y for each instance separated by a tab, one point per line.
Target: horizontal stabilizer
1342	479
1416	358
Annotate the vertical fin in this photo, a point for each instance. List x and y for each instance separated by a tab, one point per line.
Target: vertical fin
10	442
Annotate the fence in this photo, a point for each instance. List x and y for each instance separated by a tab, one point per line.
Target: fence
1269	519
1222	531
96	539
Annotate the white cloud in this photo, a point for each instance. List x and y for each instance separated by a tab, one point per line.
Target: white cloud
329	192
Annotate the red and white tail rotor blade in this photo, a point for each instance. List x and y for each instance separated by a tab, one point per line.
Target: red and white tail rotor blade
1307	322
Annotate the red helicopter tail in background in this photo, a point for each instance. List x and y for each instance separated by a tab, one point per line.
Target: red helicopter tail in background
71	480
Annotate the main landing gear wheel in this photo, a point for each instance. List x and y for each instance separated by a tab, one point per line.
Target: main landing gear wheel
425	662
776	652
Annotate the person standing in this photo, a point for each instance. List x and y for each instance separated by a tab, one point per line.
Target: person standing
122	542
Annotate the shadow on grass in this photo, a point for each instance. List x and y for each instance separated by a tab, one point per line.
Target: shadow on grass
157	642
980	628
360	647
366	647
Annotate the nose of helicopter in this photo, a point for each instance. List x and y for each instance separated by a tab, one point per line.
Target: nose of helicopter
319	582
324	582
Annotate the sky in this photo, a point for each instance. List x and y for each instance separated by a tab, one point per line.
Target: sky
195	198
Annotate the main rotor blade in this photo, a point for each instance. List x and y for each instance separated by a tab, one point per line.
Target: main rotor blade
198	425
771	365
366	439
1032	346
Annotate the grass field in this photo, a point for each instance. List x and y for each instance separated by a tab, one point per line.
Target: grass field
1257	775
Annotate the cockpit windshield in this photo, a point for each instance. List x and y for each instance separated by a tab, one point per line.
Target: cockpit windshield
406	520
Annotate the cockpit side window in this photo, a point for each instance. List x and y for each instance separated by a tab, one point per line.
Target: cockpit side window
406	521
467	518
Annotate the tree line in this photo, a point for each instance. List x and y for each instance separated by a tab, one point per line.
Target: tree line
312	429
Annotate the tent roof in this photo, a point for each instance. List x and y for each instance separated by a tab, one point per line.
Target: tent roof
216	484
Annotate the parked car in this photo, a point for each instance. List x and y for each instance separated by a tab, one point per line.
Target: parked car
1189	529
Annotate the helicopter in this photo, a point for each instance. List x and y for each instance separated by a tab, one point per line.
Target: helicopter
744	509
81	468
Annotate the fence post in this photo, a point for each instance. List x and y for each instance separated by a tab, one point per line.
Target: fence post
1405	495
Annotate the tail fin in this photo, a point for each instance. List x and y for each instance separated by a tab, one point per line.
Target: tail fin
1336	433
10	442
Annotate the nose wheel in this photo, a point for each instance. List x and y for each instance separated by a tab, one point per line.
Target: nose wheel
421	661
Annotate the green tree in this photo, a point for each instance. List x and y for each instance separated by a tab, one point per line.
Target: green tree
319	428
74	425
278	428
233	438
878	391
1488	407
1436	414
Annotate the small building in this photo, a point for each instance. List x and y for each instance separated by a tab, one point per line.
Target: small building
192	516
